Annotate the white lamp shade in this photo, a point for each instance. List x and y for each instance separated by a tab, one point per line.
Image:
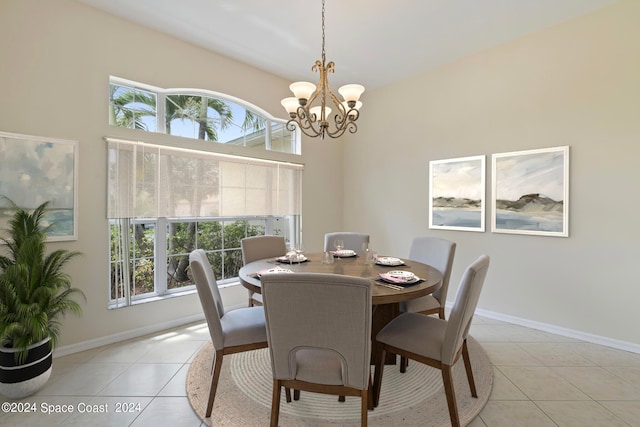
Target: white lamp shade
290	104
317	111
351	92
302	90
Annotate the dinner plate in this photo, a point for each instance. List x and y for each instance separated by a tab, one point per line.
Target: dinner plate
274	270
344	253
399	276
293	259
389	261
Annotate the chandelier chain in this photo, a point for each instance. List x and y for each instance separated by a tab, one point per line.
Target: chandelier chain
323	54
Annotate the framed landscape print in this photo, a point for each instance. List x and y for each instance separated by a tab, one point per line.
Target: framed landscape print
457	194
531	192
36	169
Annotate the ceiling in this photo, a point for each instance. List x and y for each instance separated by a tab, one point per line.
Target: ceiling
372	42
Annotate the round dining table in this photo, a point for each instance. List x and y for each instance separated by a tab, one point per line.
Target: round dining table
386	297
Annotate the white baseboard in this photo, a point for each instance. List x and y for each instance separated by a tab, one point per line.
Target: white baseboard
565	332
125	335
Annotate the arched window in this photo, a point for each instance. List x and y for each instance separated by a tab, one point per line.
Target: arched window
198	114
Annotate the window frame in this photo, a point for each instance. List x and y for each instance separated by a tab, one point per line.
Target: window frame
162	93
161	257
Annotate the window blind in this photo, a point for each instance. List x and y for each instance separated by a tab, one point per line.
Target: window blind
148	181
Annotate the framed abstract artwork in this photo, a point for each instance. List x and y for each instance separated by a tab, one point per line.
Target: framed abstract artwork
531	192
36	169
457	194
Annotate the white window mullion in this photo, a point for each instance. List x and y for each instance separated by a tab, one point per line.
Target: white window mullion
160	261
161	100
267	135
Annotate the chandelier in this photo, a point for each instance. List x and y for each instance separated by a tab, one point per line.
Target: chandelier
310	107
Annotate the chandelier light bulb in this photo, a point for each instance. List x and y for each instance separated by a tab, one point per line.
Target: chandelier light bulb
291	105
302	91
351	93
318	112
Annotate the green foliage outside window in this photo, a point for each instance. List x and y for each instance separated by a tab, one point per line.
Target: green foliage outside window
220	239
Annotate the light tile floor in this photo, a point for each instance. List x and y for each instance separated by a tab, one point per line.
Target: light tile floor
540	380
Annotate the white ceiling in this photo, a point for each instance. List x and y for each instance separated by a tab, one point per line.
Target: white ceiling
372	42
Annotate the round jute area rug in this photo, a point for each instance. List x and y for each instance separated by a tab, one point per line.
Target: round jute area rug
415	398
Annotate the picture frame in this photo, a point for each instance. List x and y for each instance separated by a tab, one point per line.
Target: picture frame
35	169
457	194
530	192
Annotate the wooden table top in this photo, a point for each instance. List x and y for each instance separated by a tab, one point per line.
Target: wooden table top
353	266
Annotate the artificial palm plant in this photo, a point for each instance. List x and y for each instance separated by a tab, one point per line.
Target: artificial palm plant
35	293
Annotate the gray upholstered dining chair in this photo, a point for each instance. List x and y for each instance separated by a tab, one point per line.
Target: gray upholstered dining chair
261	247
238	330
436	342
438	253
319	333
354	241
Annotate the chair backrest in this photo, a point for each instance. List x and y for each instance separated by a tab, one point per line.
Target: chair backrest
209	295
316	315
353	241
465	305
438	253
261	247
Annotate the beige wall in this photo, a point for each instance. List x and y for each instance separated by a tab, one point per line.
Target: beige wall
56	58
575	84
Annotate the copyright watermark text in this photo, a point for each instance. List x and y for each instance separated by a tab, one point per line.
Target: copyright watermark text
81	408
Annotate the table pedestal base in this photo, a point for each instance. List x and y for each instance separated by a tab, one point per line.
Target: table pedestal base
382	314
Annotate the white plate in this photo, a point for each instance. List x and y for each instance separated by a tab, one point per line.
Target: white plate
344	253
274	270
399	276
293	259
388	260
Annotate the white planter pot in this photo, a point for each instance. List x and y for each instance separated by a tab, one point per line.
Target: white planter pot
22	380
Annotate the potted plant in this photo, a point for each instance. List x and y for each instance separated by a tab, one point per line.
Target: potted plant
35	294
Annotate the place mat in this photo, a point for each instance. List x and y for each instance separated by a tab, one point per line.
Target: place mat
402	285
415	398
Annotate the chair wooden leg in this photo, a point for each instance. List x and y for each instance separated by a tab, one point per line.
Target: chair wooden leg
287	394
370	394
296	394
275	403
441	313
341	398
447	378
404	362
467	366
377	377
216	368
364	408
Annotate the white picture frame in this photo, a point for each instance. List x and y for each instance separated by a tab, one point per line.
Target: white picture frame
35	169
457	194
530	192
